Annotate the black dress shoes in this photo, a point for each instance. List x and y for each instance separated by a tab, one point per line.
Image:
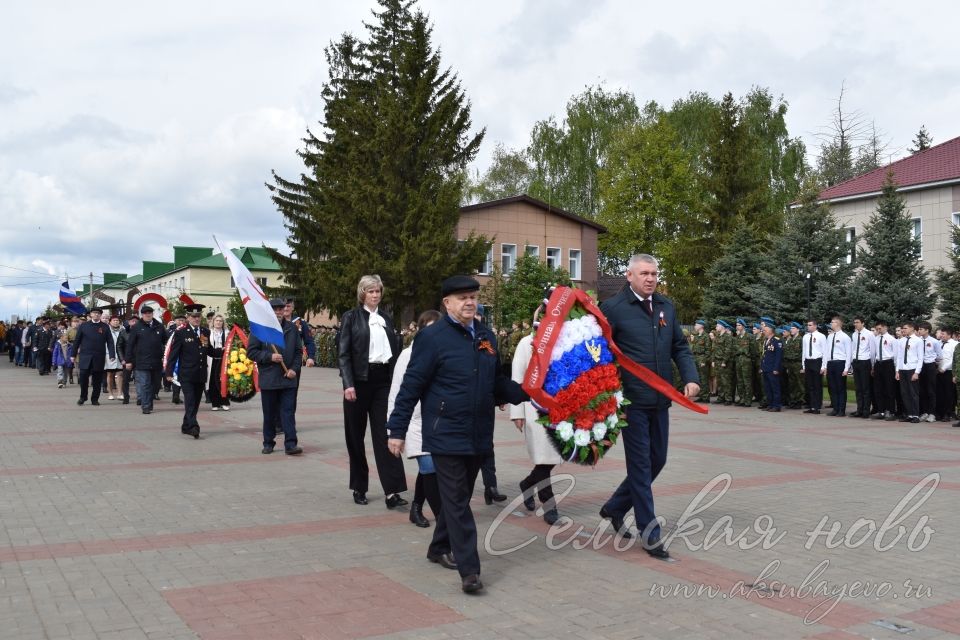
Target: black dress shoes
416	515
358	496
655	550
471	583
294	451
395	501
81	401
95	403
491	495
266	450
527	498
550	516
833	413
617	522
191	431
445	560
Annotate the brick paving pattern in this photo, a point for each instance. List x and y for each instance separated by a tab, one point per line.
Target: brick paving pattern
113	525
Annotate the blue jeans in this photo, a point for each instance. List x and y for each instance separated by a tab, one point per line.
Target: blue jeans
645	447
425	464
279	404
18	354
148	383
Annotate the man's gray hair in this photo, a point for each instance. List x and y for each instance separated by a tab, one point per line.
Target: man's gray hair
643	257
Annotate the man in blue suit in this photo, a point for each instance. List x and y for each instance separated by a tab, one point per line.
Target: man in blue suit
645	327
771	367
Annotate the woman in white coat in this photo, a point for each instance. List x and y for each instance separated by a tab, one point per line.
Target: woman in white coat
541	451
426	487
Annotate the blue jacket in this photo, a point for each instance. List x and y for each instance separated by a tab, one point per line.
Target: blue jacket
642	338
458	382
772	355
271	376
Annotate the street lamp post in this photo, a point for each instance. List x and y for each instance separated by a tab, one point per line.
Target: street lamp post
807	270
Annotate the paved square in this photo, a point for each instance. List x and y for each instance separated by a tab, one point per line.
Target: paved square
114	525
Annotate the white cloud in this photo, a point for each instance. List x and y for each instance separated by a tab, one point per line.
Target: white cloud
133	128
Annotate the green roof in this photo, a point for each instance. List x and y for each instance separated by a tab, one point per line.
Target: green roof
255	259
183	256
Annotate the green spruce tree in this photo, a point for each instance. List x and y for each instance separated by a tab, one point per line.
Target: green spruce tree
812	242
892	284
948	284
734	274
383	185
921	141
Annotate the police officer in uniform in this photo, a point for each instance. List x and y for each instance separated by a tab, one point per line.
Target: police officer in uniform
90	350
189	348
770	366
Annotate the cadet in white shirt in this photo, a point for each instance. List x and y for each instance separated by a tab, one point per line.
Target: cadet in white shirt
838	358
928	373
946	391
909	364
885	373
863	354
813	366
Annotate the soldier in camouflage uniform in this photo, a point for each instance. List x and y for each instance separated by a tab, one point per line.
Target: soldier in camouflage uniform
722	363
702	349
793	365
743	348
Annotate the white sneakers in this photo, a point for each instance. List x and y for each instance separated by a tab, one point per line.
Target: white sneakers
226	408
214	408
931	418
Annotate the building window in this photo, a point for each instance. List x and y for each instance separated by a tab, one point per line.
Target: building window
508	257
487	267
262	282
233	285
918	233
553	257
955	219
574	264
183	283
850	236
532	250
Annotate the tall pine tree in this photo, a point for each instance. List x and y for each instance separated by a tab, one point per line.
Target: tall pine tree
383	184
811	242
892	284
948	284
733	276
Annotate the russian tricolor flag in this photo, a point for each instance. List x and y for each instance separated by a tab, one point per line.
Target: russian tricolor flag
263	321
70	300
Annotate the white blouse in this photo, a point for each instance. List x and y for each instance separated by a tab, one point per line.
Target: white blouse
379	350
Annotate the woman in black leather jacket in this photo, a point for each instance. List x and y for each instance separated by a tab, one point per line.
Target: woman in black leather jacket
367	350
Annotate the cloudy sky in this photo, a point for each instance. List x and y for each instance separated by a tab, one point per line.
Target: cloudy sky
126	129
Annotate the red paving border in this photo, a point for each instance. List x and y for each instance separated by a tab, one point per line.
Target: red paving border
349	603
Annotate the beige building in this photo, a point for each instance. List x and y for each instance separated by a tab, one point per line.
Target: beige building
522	225
930	184
195	271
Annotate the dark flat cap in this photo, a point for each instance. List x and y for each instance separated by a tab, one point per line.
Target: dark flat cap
194	309
278	302
456	284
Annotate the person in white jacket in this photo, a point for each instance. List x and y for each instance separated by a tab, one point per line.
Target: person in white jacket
426	487
541	451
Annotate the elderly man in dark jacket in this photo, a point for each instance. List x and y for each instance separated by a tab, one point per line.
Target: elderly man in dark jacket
454	374
90	349
645	327
278	382
143	353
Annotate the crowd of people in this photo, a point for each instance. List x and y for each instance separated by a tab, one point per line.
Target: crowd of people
430	392
906	374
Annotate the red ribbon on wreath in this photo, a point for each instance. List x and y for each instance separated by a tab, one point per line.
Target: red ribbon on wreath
558	308
238	333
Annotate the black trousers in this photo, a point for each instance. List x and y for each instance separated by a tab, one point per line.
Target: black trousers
427	490
192	396
910	393
928	388
886	386
837	384
213	390
861	383
488	469
456	530
946	395
44	357
539	479
125	384
88	376
811	374
371	404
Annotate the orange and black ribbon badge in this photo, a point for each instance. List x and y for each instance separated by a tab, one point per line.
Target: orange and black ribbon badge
486	345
